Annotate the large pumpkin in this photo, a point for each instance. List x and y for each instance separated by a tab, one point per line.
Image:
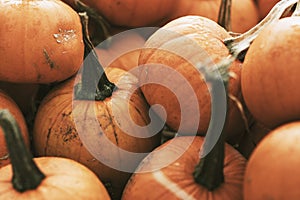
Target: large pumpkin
68	128
41	41
170	77
167	173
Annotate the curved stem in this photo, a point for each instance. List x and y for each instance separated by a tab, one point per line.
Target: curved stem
26	175
297	10
209	171
102	24
94	83
224	17
241	43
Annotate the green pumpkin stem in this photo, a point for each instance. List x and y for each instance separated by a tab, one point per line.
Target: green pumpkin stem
209	171
241	43
94	83
26	174
224	17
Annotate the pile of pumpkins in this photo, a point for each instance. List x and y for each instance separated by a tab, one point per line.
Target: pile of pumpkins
78	120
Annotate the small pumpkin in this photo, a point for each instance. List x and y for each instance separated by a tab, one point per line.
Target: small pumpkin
273	168
44	177
154	179
6	102
43	47
270	74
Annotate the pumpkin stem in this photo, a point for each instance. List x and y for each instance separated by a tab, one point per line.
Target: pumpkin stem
26	174
209	171
90	88
224	17
297	10
102	26
241	43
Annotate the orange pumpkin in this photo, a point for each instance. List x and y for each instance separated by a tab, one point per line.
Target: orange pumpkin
270	74
132	13
169	75
273	168
168	173
44	177
58	128
42	48
6	102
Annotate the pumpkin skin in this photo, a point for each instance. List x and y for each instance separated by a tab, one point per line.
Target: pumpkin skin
6	102
175	181
244	12
55	131
132	13
43	49
264	6
65	179
273	168
202	39
123	51
273	99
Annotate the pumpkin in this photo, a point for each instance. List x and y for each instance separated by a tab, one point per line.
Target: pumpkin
273	168
244	14
167	173
169	74
105	135
44	177
6	102
132	13
273	99
43	47
264	6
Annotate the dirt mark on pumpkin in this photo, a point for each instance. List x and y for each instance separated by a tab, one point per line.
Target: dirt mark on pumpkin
50	62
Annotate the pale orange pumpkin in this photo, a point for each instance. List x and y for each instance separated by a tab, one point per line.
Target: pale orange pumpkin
154	179
44	177
170	59
43	47
6	102
270	74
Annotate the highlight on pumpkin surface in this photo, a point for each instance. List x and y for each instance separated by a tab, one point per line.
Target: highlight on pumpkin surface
174	83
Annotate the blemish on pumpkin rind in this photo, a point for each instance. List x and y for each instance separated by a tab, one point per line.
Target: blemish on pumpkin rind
50	62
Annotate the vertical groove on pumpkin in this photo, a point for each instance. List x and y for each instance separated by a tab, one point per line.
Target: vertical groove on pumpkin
94	83
224	17
26	174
